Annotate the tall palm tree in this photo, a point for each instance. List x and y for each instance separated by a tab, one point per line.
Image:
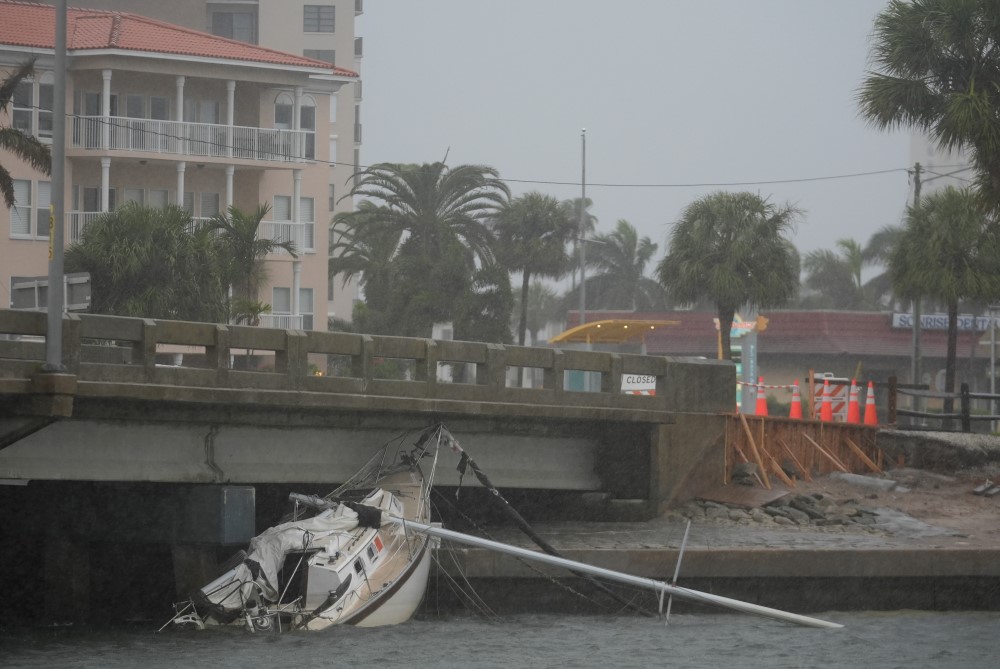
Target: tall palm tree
441	218
732	249
363	246
949	250
544	306
877	252
578	210
937	70
620	258
532	232
837	276
23	146
433	204
243	252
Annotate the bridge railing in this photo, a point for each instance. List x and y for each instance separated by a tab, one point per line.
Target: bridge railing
120	350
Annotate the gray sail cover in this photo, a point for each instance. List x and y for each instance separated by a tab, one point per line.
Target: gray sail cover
237	587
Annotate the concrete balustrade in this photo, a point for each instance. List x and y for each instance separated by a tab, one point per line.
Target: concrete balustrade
121	350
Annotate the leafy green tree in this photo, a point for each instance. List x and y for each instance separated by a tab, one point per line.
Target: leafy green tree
532	232
243	251
363	246
151	263
837	276
585	223
937	70
440	216
486	309
948	250
23	146
732	249
621	258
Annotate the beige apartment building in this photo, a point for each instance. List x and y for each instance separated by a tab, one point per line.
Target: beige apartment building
320	29
162	114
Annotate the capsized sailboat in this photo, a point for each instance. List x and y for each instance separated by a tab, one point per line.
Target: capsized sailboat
336	560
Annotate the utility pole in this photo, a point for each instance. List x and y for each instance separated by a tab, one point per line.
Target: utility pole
57	220
580	231
915	371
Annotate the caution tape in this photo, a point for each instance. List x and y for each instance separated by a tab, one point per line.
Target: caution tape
787	386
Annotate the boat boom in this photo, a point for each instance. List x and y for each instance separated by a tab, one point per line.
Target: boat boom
638	581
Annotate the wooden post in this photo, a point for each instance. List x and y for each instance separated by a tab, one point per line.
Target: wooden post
864	458
802	470
756	453
892	400
829	456
966	418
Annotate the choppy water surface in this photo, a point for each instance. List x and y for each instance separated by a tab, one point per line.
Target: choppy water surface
883	640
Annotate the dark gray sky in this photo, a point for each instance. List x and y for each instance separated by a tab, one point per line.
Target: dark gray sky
670	92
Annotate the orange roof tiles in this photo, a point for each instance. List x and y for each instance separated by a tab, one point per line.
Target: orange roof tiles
32	25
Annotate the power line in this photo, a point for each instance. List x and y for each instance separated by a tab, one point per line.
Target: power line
126	125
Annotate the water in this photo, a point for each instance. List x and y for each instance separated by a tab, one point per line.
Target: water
909	640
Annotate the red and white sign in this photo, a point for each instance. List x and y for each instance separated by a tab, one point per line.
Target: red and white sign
638	384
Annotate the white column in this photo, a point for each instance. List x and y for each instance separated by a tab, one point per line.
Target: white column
106	110
296	287
300	144
230	115
181	166
296	195
105	184
230	171
179	82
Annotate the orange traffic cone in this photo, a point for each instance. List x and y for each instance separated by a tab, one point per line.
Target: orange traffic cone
853	410
825	410
761	409
871	416
796	410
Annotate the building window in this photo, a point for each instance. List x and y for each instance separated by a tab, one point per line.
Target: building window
332	195
43	199
318	18
209	205
136	195
281	301
282	210
31	99
325	55
333	109
20	213
158	198
240	26
307	122
333	149
306	307
307	216
45	98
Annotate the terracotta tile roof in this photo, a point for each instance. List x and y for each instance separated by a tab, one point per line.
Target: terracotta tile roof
32	25
793	333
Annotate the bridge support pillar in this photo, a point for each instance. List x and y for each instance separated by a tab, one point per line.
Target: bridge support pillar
686	457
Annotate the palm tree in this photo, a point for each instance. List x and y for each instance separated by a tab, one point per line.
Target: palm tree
532	232
937	70
544	306
151	263
949	250
877	252
837	276
23	146
243	252
577	210
732	248
433	204
621	258
363	246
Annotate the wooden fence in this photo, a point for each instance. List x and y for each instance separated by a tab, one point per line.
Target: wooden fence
786	450
944	421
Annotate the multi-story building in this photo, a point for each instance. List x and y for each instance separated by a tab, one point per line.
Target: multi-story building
162	114
320	29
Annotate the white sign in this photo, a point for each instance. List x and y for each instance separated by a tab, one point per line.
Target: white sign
638	384
940	322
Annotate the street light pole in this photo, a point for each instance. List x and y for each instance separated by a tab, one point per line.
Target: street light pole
56	302
580	229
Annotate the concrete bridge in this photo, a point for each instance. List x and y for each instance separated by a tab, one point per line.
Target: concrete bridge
166	443
167	401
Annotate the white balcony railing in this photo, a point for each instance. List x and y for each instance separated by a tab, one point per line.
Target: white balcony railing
119	133
281	321
300	234
78	220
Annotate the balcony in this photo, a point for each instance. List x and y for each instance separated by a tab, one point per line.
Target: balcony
281	321
78	220
300	234
202	140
